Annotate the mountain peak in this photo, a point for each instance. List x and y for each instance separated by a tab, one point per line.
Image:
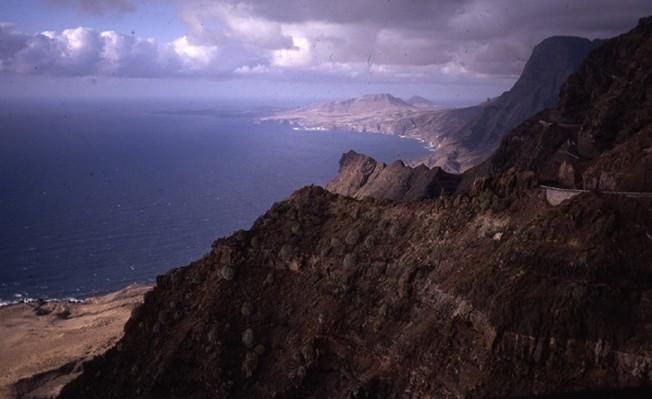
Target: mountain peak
366	104
381	98
419	101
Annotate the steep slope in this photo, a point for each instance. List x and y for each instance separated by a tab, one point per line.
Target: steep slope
551	62
486	294
329	297
360	176
599	135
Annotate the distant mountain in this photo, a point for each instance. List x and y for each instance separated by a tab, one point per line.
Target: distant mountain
374	113
366	104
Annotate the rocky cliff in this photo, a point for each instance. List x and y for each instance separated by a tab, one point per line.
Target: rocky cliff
360	176
550	64
490	293
599	134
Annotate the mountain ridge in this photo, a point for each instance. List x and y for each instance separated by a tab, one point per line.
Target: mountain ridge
360	176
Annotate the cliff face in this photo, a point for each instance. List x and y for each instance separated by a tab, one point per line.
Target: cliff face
550	64
487	294
599	135
361	176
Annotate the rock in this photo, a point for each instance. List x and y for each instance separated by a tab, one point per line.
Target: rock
335	243
247	309
42	311
64	314
308	352
269	279
227	273
294	265
211	336
349	261
352	237
248	338
286	252
250	364
369	242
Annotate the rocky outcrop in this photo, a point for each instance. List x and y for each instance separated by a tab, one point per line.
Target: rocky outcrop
361	176
490	293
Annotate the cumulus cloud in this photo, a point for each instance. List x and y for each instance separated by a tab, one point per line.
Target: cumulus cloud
87	52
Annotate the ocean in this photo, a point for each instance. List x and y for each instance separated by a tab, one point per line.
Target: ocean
96	194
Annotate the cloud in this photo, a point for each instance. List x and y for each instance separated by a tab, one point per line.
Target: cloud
97	6
87	52
365	40
481	38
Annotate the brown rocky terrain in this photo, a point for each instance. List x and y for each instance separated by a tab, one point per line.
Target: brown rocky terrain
44	344
490	295
487	293
360	176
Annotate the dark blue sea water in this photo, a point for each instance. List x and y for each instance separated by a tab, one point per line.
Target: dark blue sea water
97	194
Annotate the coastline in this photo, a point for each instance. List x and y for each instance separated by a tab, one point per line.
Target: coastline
44	343
299	127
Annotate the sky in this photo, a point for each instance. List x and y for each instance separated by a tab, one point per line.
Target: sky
451	51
